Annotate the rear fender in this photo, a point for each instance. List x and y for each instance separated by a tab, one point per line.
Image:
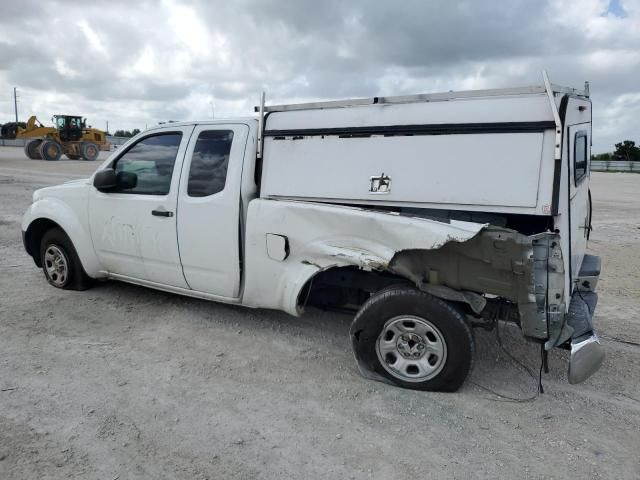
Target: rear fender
318	237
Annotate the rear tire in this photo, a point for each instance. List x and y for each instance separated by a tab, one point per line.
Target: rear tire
414	339
89	151
50	150
60	262
32	149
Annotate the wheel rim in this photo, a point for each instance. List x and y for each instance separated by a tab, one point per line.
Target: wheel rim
56	265
91	151
411	348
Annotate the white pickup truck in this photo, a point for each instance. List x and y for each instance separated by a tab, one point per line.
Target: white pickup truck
425	215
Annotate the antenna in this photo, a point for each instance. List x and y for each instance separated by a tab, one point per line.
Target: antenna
260	126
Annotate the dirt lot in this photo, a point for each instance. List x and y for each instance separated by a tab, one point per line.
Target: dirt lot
121	382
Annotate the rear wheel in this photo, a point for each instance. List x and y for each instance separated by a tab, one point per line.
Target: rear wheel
50	150
89	151
60	262
414	339
32	149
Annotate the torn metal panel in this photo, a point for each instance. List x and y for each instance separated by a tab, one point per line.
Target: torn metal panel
499	262
322	236
461	259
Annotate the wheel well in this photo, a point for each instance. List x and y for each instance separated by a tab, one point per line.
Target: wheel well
345	288
33	237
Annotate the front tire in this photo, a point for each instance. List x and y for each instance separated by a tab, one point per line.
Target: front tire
414	339
60	262
50	150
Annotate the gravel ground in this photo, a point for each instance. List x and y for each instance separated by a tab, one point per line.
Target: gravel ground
122	382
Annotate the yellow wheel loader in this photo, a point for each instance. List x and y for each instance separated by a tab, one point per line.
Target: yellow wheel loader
70	137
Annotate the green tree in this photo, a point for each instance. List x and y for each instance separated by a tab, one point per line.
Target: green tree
627	150
126	133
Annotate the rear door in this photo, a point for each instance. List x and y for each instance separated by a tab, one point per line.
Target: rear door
579	148
576	178
209	209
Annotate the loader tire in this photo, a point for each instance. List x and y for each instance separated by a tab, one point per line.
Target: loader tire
32	149
89	151
50	150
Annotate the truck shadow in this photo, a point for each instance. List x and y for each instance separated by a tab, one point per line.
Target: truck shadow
493	369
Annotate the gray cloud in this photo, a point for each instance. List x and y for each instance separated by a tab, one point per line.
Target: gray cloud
140	63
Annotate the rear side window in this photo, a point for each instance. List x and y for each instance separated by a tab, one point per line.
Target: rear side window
152	160
580	156
209	162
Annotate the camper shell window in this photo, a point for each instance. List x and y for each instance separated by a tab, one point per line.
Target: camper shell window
580	156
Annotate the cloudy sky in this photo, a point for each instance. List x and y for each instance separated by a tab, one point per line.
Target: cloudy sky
138	63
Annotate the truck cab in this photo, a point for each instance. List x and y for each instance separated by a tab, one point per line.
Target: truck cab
426	216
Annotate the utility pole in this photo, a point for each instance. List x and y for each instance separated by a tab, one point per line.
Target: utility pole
15	102
107	127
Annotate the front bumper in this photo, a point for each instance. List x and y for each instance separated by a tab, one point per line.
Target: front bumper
587	353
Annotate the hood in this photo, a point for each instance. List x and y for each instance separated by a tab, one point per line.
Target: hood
63	190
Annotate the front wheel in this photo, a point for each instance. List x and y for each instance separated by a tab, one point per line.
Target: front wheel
60	262
50	150
414	339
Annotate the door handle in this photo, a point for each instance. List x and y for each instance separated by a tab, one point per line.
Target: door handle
161	213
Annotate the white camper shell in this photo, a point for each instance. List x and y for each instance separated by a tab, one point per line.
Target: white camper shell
442	152
425	215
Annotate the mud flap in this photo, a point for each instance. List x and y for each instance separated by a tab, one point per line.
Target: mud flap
587	353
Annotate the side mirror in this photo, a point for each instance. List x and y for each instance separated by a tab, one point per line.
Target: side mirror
108	180
105	180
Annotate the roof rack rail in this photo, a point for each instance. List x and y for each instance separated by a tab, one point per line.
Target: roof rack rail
426	97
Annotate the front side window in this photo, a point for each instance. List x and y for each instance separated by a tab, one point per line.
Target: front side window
580	156
152	160
208	171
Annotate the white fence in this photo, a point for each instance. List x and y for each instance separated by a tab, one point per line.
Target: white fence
615	166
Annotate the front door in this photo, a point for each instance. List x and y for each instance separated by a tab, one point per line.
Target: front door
133	228
209	209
